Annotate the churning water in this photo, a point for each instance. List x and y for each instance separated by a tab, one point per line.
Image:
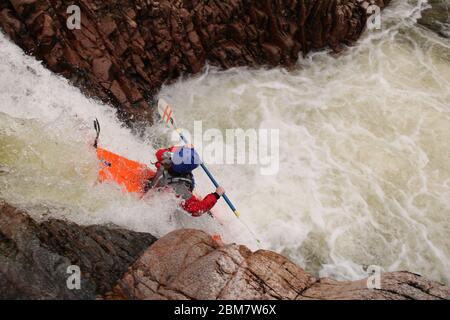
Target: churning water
364	152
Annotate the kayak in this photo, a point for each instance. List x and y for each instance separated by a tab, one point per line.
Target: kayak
130	175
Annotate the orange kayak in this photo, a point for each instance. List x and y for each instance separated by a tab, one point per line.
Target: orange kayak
130	175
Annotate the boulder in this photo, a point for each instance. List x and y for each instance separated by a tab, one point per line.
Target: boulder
189	264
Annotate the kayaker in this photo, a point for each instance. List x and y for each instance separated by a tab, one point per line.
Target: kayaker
175	166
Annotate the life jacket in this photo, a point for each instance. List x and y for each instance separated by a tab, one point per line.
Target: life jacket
182	184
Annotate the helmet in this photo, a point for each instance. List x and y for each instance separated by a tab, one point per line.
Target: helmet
185	160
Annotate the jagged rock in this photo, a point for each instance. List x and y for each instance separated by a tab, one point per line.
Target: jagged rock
126	49
188	264
34	257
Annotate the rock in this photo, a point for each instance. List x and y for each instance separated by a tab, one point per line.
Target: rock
101	67
185	264
172	38
34	257
188	264
437	17
394	286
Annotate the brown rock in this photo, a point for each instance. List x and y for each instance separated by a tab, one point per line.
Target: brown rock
108	25
172	38
188	264
394	286
11	25
185	264
117	92
272	52
19	5
47	28
101	67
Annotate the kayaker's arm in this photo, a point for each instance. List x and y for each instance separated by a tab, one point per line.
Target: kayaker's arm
198	207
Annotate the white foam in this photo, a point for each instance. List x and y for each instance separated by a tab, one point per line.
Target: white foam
47	164
364	150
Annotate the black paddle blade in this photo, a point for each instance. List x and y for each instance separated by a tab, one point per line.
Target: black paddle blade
97	125
97	129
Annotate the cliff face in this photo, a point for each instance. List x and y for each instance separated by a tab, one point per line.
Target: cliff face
126	49
188	264
34	257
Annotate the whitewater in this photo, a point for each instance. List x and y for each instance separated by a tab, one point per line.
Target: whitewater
364	174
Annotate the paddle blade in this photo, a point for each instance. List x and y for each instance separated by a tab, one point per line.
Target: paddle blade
166	113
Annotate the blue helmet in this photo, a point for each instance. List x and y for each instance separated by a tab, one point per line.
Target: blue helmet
185	160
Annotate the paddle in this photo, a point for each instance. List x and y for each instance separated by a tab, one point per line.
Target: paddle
166	113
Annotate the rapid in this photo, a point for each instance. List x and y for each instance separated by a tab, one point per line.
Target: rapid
364	166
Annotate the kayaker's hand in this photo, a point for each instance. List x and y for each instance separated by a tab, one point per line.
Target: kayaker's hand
220	191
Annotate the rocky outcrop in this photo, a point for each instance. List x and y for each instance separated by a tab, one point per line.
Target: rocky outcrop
126	49
185	264
394	286
189	264
34	257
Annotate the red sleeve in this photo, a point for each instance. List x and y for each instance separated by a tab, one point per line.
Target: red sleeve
197	207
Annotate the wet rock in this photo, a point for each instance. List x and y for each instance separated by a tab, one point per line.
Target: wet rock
126	49
394	286
34	257
437	17
185	264
188	264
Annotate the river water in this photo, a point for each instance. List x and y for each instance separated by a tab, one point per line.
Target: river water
364	176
